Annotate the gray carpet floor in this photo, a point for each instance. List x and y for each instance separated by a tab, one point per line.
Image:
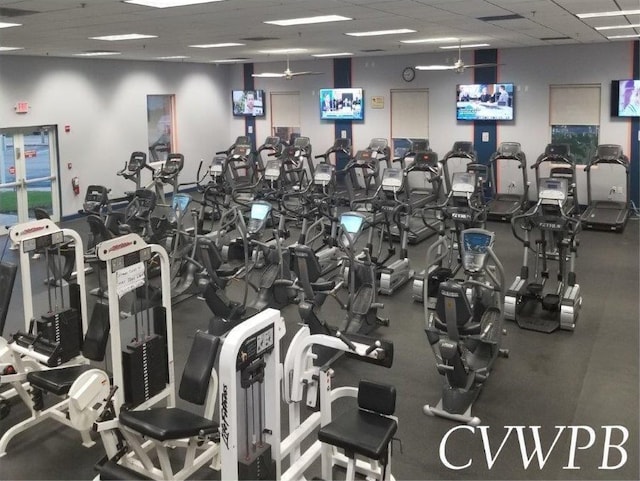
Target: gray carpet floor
588	377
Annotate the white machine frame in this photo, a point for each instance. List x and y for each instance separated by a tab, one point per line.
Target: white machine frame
25	360
297	373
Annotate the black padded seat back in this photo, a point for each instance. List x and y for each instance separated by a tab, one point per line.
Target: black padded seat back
39	213
95	340
306	267
137	161
173	164
7	281
98	229
377	397
453	308
197	370
209	255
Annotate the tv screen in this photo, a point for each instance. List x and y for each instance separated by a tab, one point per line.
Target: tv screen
341	104
248	103
484	102
625	98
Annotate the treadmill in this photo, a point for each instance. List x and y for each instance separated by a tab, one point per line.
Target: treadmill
422	223
505	205
563	165
607	214
456	160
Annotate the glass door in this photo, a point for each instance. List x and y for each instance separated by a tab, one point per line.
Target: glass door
28	175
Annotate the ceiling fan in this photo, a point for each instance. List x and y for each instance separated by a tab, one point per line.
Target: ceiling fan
458	66
287	74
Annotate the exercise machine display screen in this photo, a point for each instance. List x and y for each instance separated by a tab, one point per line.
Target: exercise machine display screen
323	174
475	244
181	202
463	182
392	178
351	223
272	170
260	210
553	189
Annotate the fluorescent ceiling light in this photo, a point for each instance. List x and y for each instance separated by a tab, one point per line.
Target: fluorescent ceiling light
218	45
168	3
433	67
126	36
7	49
615	13
284	50
308	20
380	32
95	54
7	24
268	75
614	27
173	57
430	40
469	45
632	35
340	54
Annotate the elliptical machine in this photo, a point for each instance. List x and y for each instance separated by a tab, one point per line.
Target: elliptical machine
527	302
465	330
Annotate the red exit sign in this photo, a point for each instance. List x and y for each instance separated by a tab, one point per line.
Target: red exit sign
22	107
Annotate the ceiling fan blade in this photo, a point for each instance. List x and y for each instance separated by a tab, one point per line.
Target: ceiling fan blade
434	67
268	75
480	65
296	74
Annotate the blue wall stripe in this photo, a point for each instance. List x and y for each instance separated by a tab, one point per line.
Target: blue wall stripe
342	79
249	122
485	75
634	151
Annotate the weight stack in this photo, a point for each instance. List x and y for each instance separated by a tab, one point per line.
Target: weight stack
145	370
62	328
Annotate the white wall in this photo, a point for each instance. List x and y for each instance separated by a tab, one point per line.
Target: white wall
104	103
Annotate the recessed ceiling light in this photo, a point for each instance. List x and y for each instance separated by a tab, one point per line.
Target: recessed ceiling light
340	54
217	45
173	57
430	40
7	49
168	3
615	13
632	35
308	20
96	54
284	50
614	27
469	45
126	36
373	33
7	24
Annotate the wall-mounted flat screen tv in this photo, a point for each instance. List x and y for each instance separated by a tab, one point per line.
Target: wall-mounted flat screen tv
625	98
484	101
248	103
341	104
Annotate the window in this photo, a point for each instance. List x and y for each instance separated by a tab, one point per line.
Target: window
409	118
285	115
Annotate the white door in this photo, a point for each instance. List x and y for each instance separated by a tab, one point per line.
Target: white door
28	174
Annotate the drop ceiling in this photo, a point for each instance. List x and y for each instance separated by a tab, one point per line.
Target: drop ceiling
62	27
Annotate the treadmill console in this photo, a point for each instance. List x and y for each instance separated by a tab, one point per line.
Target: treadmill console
475	245
557	150
364	156
509	149
463	183
553	189
609	152
419	145
240	150
341	143
463	147
272	142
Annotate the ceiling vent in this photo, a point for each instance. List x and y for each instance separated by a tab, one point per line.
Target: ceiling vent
369	50
499	18
259	39
548	39
15	12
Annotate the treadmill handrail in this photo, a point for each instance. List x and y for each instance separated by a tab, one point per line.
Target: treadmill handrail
553	158
624	162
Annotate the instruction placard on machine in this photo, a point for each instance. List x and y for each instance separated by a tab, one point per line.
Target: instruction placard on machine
130	278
